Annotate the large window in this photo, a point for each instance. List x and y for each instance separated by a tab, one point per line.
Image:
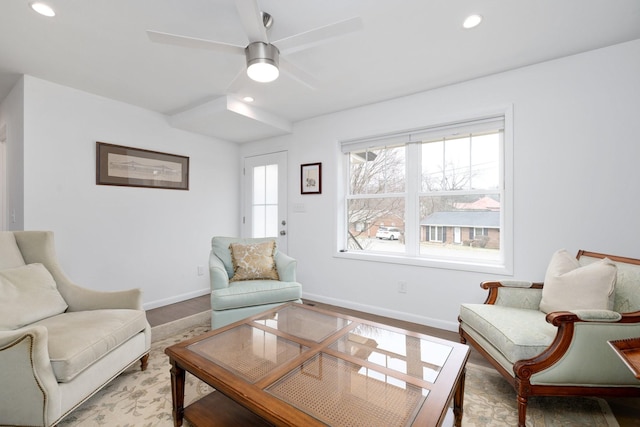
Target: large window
442	189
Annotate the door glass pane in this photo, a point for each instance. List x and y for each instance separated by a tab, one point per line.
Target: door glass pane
271	221
271	184
265	201
259	185
258	221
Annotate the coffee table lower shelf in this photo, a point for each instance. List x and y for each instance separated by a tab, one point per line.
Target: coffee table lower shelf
217	410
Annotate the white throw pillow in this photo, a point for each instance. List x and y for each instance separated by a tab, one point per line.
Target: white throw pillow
570	286
28	294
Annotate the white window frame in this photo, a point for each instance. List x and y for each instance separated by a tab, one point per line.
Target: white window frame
504	266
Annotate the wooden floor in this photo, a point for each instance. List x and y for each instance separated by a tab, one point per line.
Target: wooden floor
169	313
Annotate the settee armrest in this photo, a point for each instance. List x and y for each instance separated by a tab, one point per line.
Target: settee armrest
25	367
513	293
82	299
564	318
218	276
39	247
286	266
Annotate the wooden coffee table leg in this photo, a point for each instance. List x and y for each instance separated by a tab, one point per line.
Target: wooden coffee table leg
458	399
177	392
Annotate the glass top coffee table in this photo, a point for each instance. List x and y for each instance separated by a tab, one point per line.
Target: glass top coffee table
298	365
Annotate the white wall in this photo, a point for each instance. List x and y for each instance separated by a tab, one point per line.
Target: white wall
576	172
109	237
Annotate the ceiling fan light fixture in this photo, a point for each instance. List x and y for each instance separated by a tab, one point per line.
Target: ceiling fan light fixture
262	62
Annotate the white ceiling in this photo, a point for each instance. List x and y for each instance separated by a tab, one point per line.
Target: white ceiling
405	46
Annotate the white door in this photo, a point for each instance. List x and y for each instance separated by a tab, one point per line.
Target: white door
457	237
265	197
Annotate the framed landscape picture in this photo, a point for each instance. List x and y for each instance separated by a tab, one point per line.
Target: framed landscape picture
135	167
311	178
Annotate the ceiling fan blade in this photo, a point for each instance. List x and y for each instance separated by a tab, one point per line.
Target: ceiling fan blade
252	20
298	74
192	42
237	82
318	35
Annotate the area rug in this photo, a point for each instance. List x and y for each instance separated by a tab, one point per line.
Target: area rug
143	399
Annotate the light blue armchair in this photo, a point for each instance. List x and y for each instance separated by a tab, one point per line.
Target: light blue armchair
559	353
234	300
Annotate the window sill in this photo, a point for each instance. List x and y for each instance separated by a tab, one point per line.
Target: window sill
447	264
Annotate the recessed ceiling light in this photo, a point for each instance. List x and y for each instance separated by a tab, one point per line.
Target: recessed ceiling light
248	99
42	9
472	21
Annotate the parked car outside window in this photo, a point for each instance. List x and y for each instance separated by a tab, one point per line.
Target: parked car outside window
391	233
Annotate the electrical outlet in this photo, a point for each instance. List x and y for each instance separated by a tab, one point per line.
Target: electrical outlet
402	287
200	270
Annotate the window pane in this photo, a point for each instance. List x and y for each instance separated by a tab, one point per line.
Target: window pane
376	224
465	226
432	171
464	163
378	171
485	155
457	164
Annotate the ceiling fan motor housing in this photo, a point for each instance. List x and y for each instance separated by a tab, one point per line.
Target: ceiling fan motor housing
262	52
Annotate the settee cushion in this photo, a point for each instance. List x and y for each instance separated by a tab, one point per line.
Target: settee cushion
254	292
28	294
517	333
78	339
254	261
570	286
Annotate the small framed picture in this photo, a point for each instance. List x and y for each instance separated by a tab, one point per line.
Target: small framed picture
311	178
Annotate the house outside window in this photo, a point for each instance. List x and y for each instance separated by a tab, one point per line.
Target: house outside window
444	186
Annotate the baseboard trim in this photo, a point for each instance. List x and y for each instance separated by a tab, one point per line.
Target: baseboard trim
408	317
167	329
176	298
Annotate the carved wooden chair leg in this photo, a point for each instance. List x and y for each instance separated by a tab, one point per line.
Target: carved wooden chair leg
522	411
144	360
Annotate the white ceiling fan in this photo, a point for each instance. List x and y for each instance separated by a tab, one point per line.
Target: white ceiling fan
264	58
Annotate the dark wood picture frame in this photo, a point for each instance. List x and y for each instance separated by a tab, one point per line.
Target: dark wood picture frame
311	178
135	167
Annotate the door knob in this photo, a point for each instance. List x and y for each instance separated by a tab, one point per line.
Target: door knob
283	233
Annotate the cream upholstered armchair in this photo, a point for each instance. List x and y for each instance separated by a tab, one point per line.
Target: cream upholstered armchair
551	339
59	343
249	276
